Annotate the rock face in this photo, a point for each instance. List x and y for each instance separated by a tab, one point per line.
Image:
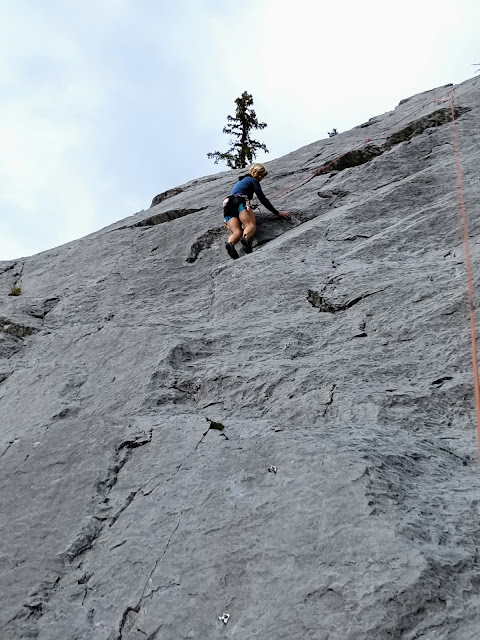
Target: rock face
148	383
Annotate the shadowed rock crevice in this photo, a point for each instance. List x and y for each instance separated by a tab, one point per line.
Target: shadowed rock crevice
9	267
83	542
417	127
42	310
357	157
351	159
322	304
165	195
333	193
204	242
16	330
68	412
12	335
166	216
4	375
32	610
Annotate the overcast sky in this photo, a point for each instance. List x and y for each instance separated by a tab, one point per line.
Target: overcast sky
105	103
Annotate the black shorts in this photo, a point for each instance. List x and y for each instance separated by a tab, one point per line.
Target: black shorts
233	205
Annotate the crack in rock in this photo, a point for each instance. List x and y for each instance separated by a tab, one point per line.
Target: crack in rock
130	613
216	426
330	400
18	276
130	498
123	453
9	444
9	268
4	375
348	239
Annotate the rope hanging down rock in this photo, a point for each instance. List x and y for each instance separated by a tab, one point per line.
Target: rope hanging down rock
463	214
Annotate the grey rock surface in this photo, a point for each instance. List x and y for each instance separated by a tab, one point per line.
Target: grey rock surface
148	383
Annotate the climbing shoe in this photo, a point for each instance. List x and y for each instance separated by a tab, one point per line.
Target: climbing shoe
247	245
232	252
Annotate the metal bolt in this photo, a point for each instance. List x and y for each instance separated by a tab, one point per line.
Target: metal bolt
272	469
224	618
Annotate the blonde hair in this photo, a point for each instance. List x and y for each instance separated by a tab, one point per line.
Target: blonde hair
258	171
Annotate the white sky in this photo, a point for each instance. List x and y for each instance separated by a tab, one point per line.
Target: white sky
105	103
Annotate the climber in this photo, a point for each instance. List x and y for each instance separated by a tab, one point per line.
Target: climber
237	210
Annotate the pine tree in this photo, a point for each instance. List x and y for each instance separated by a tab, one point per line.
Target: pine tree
244	149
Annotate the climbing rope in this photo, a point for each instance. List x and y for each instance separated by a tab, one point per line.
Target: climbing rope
463	213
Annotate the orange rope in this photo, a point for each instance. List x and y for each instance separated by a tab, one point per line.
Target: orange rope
469	270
